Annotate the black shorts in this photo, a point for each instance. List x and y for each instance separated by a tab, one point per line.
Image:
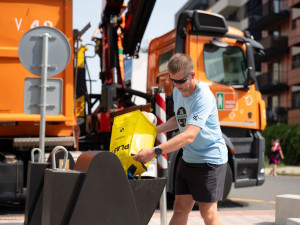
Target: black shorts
204	181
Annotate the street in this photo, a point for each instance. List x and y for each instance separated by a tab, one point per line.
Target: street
247	206
261	198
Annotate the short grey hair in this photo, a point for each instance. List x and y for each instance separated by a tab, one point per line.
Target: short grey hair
180	62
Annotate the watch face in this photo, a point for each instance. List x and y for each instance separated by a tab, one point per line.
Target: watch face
158	150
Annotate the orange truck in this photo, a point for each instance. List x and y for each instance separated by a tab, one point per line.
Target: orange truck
19	131
224	60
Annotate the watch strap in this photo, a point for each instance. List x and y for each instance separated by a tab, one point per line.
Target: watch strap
158	151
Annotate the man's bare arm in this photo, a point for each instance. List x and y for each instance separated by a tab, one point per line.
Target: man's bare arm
170	125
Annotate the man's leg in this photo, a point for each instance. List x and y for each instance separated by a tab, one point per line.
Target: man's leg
209	213
182	206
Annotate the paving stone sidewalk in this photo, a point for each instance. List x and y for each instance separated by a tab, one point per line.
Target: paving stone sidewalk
227	218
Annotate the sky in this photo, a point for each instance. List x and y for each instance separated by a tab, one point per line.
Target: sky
161	21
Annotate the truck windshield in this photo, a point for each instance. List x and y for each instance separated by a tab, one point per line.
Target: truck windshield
225	65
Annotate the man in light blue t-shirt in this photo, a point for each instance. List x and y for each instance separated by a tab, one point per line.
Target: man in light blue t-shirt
201	171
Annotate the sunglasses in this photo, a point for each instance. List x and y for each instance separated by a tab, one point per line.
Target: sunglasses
181	81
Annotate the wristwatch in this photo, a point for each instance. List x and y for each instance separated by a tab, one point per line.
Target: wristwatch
158	151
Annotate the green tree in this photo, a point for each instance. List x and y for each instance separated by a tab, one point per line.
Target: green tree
289	139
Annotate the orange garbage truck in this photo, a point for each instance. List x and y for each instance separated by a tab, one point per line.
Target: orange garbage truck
19	129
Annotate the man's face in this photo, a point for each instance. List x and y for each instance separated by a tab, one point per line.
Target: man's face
181	81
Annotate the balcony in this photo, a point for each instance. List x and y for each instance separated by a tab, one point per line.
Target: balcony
227	7
294	3
269	15
294	34
241	25
267	84
274	47
230	10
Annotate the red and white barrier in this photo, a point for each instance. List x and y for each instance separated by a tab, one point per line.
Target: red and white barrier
160	111
162	162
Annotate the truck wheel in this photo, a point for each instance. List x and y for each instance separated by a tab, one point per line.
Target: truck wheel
228	182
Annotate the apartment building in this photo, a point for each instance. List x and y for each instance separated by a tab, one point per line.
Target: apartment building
275	19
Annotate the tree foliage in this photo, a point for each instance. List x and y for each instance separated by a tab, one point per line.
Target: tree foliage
289	140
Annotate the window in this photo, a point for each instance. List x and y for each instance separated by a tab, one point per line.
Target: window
296	61
276	6
274	69
296	99
225	65
294	24
273	104
163	61
295	17
295	57
275	33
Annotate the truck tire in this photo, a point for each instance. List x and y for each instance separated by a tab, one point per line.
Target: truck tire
228	182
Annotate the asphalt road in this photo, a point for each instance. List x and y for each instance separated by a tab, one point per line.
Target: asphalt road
261	197
240	199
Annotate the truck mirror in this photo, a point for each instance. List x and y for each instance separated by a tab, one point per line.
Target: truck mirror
209	22
217	42
250	63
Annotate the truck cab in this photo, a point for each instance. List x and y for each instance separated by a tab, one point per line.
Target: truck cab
224	60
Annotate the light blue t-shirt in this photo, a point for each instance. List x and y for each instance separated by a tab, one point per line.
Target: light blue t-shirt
199	109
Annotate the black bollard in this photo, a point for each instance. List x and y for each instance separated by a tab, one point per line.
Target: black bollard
35	185
34	192
61	187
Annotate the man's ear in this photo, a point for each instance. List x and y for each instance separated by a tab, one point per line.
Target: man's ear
193	74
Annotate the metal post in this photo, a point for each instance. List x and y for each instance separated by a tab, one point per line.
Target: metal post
114	74
162	163
44	66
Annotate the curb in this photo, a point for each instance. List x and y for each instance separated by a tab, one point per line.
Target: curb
285	171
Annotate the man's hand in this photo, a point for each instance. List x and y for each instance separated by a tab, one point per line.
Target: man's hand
145	155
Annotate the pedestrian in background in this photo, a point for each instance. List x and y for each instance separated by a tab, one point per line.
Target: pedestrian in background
202	168
275	155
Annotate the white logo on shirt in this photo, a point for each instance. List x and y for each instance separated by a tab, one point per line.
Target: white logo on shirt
181	116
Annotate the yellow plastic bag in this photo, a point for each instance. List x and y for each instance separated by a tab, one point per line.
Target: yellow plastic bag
132	132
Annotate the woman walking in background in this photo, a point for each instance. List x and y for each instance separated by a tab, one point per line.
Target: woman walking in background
275	155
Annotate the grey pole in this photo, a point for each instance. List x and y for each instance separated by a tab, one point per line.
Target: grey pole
35	57
114	75
163	207
44	65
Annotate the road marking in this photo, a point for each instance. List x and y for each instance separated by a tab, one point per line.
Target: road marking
247	213
195	213
245	200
